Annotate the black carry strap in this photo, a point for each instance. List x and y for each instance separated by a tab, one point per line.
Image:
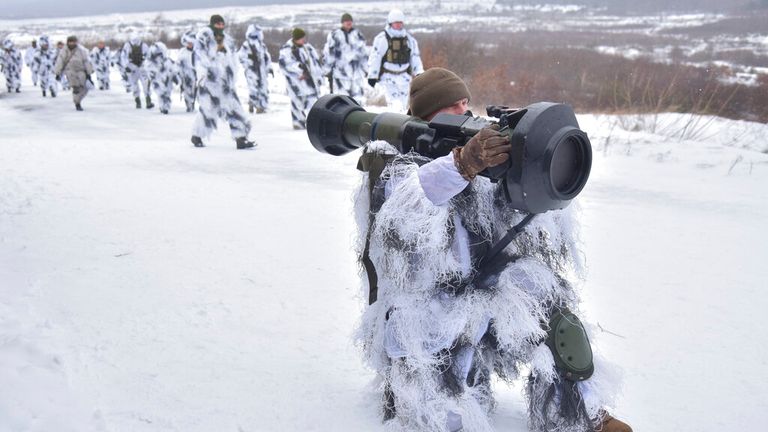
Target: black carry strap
508	238
373	163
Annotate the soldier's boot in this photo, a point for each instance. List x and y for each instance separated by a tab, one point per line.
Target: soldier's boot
197	141
610	424
44	93
18	90
53	93
138	103
78	107
243	143
250	108
150	105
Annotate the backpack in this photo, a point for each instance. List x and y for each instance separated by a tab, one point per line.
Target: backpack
398	51
136	55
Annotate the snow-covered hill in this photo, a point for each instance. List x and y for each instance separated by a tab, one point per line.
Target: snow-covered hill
146	285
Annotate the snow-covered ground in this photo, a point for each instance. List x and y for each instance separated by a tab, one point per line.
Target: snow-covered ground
146	285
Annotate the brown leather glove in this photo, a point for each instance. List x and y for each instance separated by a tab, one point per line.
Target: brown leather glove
486	149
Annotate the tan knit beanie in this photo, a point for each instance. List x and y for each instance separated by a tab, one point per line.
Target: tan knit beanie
435	89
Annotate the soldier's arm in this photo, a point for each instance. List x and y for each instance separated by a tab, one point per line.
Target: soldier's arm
416	66
378	50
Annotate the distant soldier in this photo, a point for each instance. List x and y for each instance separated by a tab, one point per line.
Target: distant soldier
162	74
45	62
62	79
257	64
301	66
216	65
101	57
134	53
345	59
74	63
394	60
29	60
11	66
186	64
117	61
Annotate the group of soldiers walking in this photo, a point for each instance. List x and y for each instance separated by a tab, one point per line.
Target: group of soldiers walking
207	63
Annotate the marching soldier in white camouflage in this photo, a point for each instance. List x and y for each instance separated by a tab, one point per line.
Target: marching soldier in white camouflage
257	64
216	64
29	60
163	74
304	75
101	58
394	60
345	59
11	66
117	61
134	55
186	64
44	61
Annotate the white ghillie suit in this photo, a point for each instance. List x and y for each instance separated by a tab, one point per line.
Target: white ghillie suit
101	58
438	330
163	74
117	59
216	87
11	66
185	61
29	60
346	59
45	61
257	64
134	54
394	59
304	78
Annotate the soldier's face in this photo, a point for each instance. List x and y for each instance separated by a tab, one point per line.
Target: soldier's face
398	25
219	26
190	45
300	42
71	45
459	108
347	25
101	45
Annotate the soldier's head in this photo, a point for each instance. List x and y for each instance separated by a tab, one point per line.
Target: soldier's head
59	44
188	39
395	19
101	44
7	44
299	36
34	43
347	22
44	42
217	23
72	42
436	91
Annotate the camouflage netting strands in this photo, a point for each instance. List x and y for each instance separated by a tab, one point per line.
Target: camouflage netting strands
438	330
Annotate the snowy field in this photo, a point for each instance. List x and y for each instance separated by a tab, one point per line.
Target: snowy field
146	285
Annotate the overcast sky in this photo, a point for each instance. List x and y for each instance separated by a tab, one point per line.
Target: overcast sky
10	9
